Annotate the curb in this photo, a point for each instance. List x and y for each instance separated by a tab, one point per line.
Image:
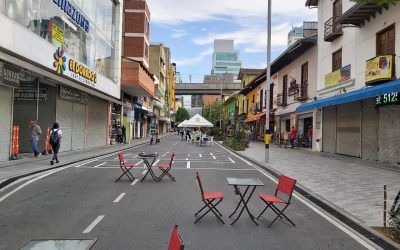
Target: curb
15	178
331	209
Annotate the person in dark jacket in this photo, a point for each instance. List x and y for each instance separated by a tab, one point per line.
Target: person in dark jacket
55	141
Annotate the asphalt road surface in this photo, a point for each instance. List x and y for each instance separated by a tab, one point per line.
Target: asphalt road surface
83	201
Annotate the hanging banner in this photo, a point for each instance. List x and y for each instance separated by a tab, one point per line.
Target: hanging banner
338	76
9	75
379	68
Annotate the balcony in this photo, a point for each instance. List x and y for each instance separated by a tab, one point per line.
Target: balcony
136	80
332	30
361	13
302	93
281	100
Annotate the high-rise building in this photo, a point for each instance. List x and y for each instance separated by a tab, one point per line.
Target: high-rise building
308	29
225	58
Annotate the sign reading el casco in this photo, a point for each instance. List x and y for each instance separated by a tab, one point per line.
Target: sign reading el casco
379	68
75	69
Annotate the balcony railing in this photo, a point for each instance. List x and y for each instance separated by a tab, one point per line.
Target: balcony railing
303	92
332	29
281	100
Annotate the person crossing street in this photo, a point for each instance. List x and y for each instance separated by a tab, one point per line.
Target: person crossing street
55	142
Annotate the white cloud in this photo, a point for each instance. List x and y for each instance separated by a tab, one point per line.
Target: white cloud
194	60
178	33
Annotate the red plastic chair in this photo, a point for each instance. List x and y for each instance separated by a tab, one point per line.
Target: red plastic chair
175	242
165	168
125	167
286	186
208	198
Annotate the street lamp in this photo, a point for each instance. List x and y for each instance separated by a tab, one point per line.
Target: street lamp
268	82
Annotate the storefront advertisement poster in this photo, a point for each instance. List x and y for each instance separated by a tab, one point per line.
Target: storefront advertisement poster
379	68
9	75
338	76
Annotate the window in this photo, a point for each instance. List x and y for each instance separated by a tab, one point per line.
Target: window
146	50
385	42
147	26
271	96
285	89
261	99
337	60
304	74
242	109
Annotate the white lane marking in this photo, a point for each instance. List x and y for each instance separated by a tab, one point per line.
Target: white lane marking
29	182
127	154
134	182
101	164
145	171
187	158
139	162
155	163
119	197
200	155
93	224
188	164
231	160
214	157
211	153
134	157
363	241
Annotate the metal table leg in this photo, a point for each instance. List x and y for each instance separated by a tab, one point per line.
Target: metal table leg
245	202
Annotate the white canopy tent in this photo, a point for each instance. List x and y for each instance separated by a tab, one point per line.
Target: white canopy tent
182	124
198	121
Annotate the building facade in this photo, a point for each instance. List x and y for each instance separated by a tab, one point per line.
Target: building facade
59	62
358	71
225	58
137	82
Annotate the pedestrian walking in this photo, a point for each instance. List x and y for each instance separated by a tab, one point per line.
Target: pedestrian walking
292	136
36	131
118	133
123	134
55	141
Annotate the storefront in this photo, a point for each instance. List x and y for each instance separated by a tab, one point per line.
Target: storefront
67	73
363	123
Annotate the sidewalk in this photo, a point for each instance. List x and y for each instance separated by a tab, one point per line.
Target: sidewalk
25	166
351	184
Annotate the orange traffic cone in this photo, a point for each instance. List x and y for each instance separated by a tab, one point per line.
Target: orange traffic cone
15	143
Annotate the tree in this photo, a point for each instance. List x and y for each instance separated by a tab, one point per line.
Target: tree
181	115
381	2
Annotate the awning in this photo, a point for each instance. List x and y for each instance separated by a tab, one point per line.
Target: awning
255	117
365	93
361	13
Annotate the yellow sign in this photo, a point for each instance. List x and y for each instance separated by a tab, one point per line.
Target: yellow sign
57	34
379	68
267	138
338	76
82	71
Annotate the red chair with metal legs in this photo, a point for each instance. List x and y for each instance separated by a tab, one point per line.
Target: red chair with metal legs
165	168
125	167
175	242
208	198
285	186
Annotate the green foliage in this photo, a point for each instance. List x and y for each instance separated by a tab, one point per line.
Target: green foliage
381	2
181	115
395	227
238	141
212	112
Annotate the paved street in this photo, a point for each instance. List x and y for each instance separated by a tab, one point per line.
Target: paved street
353	185
140	215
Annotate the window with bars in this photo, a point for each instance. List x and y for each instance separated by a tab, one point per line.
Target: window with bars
337	60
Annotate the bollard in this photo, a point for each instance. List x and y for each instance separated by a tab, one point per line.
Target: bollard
384	205
15	143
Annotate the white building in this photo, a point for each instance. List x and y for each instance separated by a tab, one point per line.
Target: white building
225	58
358	86
59	61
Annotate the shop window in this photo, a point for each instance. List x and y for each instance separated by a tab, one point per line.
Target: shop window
285	90
385	42
337	60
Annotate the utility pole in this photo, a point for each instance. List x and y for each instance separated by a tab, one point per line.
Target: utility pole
220	114
267	136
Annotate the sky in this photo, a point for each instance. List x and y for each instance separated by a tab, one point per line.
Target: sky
189	28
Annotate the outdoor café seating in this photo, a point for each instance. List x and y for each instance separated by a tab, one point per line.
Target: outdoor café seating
285	186
125	167
165	168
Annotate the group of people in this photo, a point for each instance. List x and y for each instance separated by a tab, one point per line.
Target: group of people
120	133
54	140
291	137
199	135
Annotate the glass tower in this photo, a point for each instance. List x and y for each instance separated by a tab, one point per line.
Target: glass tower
225	58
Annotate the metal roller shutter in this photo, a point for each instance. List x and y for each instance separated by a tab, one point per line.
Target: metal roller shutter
97	122
349	129
64	118
369	130
389	134
329	130
78	126
5	122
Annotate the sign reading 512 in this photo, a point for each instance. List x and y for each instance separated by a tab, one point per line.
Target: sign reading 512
387	99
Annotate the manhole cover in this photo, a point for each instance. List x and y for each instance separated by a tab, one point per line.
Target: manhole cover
76	244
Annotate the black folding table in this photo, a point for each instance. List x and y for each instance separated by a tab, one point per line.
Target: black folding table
249	183
147	158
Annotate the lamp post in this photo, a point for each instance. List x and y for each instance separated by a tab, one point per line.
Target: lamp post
268	82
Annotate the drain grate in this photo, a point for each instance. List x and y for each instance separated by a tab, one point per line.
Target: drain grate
60	244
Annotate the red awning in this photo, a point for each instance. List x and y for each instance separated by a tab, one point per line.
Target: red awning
255	117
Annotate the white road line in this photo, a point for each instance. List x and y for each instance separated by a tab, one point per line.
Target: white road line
214	157
139	162
157	161
145	171
188	164
200	155
231	160
93	224
211	153
188	154
134	157
134	182
127	154
101	164
237	156
119	197
187	159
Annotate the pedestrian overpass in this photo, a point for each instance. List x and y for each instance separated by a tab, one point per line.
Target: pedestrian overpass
206	88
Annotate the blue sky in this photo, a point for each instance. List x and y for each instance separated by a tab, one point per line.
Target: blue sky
189	28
